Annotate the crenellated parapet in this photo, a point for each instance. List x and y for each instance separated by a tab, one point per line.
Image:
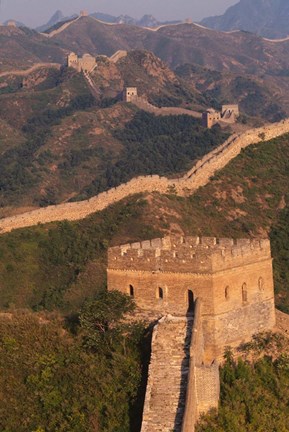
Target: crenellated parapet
187	254
225	285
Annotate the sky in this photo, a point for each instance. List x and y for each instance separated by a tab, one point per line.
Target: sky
37	12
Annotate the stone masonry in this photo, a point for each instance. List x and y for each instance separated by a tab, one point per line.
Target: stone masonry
198	176
212	293
233	280
228	115
86	63
168	375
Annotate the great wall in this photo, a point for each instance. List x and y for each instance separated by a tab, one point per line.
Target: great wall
183	380
26	72
204	289
143	104
199	175
66	24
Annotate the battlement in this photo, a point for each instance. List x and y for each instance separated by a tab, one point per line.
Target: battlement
188	254
228	114
86	63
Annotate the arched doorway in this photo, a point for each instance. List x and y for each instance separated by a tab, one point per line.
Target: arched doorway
191	301
131	291
160	293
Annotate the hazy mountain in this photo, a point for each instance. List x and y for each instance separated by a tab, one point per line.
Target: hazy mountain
268	18
56	18
238	52
21	47
104	17
145	21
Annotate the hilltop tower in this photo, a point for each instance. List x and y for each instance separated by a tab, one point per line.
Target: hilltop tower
11	23
130	94
228	115
86	63
232	279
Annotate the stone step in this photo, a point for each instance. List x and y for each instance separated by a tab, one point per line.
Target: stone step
168	372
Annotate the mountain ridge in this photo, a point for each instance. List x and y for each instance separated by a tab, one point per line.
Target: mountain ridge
267	18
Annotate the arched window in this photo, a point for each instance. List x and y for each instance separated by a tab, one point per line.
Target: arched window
160	293
131	291
191	301
261	284
227	293
244	293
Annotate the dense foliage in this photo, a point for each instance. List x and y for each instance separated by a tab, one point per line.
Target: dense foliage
61	266
157	145
52	380
254	397
280	249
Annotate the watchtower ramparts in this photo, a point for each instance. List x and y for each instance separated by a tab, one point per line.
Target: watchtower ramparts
188	254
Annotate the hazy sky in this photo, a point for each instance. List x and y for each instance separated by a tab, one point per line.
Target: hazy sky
35	12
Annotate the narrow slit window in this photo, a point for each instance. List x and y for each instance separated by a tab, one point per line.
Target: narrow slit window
244	293
131	291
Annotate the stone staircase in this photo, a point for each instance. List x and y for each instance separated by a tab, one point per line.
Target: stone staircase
168	374
94	90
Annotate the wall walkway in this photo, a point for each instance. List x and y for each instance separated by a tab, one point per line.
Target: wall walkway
198	176
26	72
180	386
168	372
146	106
203	388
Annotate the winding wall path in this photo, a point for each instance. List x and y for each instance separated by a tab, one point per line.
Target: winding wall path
33	68
164	111
198	176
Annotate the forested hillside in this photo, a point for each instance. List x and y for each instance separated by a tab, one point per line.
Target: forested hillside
73	379
83	379
248	198
68	360
62	142
254	395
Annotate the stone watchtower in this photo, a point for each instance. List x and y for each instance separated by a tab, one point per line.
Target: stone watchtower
210	118
232	279
86	63
130	94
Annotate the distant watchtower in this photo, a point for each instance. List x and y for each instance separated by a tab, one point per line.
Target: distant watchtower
130	94
233	280
11	23
228	115
210	118
86	63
